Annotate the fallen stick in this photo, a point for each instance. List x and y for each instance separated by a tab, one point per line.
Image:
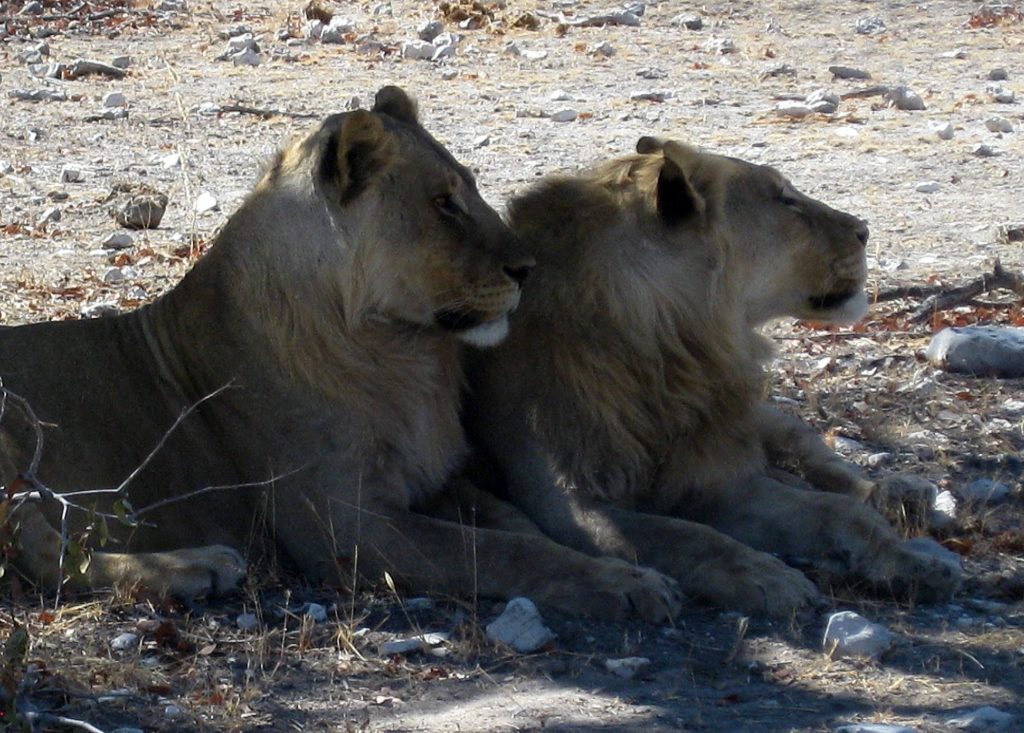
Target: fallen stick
264	113
941	297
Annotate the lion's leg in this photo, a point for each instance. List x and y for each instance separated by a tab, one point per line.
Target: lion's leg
788	440
462	502
426	554
187	573
836	534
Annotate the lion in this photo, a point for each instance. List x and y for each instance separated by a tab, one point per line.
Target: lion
303	379
625	412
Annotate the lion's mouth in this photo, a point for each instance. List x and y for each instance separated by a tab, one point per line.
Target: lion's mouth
831	301
458	320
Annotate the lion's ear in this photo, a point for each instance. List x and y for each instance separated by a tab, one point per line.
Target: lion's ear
358	151
678	200
648	145
394	102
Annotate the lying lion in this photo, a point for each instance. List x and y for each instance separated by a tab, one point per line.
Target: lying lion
625	409
329	311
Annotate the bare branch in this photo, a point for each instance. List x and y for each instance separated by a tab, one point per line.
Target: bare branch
49	719
209	489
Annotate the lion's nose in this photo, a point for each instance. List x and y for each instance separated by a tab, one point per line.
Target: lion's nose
519	271
862	232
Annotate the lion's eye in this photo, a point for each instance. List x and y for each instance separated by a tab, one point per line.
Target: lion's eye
791	201
446	204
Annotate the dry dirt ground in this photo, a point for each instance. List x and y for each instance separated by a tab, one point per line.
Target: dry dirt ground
193	669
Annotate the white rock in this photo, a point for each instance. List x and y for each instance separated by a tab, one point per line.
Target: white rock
118	240
113	276
982	720
869	25
995	351
927	186
1003	96
316	612
879	459
100	310
850	635
449	74
602	49
71	174
560	95
114	99
314	29
628	667
234	30
123	642
823	100
985	491
172	711
51	214
875	728
482	142
534	55
402	646
418	50
521	627
205	201
983	151
942	130
247	58
943	512
903	98
172	160
429	30
121	62
720	46
793	109
337	29
446	39
443	52
564	115
244	42
998	124
847	446
688	21
247	621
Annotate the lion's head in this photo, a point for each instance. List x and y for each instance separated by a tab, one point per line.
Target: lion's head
380	215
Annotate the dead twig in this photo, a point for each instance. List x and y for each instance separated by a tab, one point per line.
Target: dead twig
264	113
48	719
941	297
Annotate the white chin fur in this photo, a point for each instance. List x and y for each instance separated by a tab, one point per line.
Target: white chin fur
851	311
487	334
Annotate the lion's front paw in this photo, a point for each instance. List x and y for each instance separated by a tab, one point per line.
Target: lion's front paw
915	574
613	589
197	571
754	583
905	500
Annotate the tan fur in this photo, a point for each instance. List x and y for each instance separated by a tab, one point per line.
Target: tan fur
331	307
625	409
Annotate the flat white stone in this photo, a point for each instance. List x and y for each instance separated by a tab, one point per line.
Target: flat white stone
521	627
851	635
993	351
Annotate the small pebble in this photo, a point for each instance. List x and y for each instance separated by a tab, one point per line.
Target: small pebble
850	634
848	72
123	642
942	130
118	240
564	115
982	720
521	627
927	187
247	621
1003	96
99	310
879	459
71	174
206	201
418	50
983	151
143	212
869	25
429	30
997	74
904	98
998	124
793	109
628	667
720	46
51	214
602	49
121	62
688	21
172	711
114	99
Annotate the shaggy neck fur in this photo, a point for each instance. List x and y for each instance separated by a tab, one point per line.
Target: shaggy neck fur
649	362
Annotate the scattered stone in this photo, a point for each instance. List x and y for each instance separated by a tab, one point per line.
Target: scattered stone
449	74
956	53
997	74
422	643
206	201
114	99
32	8
1003	96
848	72
942	130
927	186
172	160
247	621
521	627
534	55
143	211
651	74
419	604
982	720
869	25
38	95
47	71
99	310
235	30
430	30
51	214
879	459
688	21
875	728
943	514
720	46
985	491
851	635
998	124
117	113
780	70
71	174
172	711
649	97
85	67
993	351
337	29
564	115
846	446
113	276
903	98
793	109
823	101
984	151
482	142
123	642
615	17
128	730
315	611
602	49
121	62
1004	234
628	667
446	51
418	50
